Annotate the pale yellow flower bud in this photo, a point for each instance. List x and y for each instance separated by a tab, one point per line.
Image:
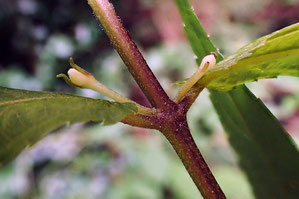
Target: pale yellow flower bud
78	78
206	64
209	61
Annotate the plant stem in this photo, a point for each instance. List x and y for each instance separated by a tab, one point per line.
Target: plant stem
207	63
181	139
83	79
130	54
171	117
173	125
191	96
142	121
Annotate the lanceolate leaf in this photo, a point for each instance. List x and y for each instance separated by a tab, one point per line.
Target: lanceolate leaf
250	131
266	152
199	40
267	57
26	116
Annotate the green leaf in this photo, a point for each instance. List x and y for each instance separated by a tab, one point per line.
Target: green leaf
27	116
199	40
266	152
267	57
242	113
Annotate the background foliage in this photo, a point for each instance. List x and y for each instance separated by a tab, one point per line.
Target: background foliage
88	160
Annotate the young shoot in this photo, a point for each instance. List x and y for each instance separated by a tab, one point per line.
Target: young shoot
77	76
206	64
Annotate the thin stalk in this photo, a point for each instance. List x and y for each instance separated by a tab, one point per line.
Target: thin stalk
181	139
191	96
97	86
83	79
142	121
207	63
193	93
130	54
188	84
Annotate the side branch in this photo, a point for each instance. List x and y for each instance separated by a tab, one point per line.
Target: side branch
143	121
130	54
191	96
207	63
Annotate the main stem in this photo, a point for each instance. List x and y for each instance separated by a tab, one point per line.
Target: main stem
182	141
129	53
171	117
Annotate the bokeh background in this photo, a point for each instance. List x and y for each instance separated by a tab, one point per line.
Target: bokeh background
120	162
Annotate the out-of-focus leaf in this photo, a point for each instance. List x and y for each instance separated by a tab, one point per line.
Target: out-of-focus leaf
241	111
199	40
265	150
26	116
267	57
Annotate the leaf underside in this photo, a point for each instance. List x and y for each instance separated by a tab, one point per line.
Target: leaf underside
266	153
27	116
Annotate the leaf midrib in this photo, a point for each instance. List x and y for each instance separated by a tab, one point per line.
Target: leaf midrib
260	58
281	36
31	99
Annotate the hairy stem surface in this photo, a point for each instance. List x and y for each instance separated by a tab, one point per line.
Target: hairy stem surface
171	117
178	134
130	54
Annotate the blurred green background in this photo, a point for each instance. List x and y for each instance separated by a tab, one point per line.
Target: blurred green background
120	162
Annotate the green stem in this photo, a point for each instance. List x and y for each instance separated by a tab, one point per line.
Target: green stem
130	54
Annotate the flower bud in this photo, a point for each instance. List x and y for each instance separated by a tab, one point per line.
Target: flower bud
78	78
210	59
